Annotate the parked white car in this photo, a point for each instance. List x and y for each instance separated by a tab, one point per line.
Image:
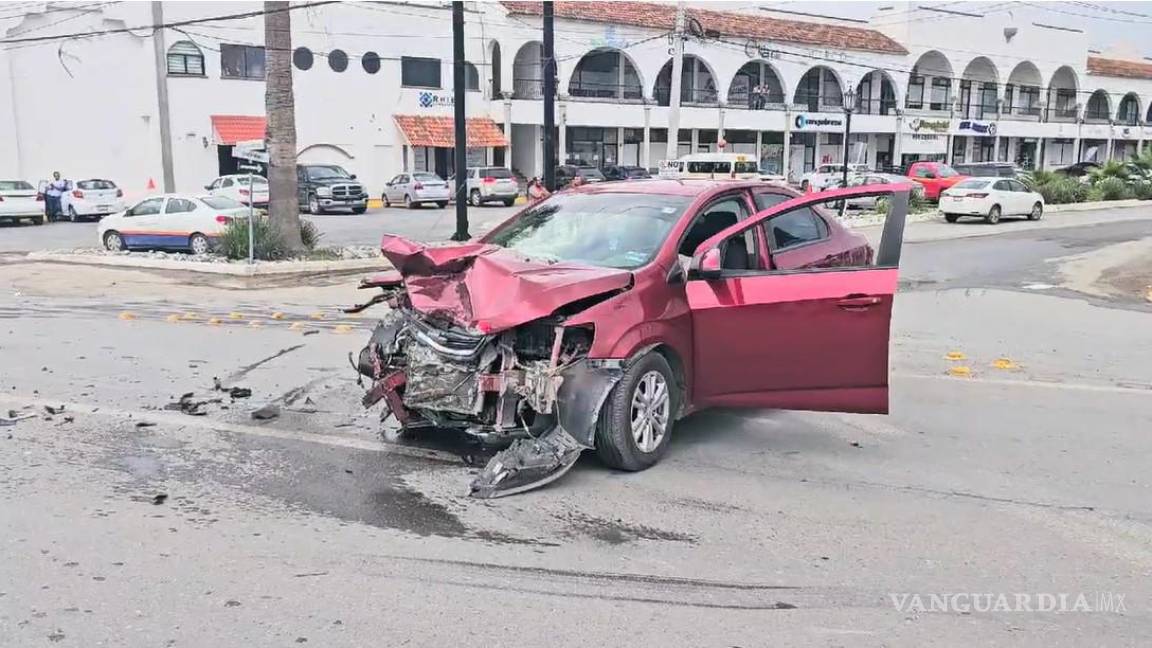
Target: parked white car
413	189
492	184
990	198
236	187
19	200
171	221
870	202
829	175
92	198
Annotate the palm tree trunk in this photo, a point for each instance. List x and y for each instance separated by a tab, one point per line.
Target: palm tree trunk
280	105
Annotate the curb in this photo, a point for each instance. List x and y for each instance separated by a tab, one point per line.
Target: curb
1103	204
263	269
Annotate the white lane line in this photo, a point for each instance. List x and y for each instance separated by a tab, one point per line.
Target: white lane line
205	423
1040	384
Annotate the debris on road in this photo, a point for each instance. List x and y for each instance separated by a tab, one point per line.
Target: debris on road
269	411
188	405
233	392
159	498
54	410
145	424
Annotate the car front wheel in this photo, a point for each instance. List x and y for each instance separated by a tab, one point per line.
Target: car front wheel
1037	212
314	205
113	241
636	420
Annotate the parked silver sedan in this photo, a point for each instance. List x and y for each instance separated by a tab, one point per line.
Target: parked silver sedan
869	202
412	189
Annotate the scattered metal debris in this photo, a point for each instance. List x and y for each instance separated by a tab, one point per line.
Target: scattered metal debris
159	498
190	406
145	424
15	417
233	392
269	411
54	410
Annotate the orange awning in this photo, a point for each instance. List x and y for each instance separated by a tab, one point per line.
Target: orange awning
229	129
428	130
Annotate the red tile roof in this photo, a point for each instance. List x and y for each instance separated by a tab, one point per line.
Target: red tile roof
662	16
428	130
1119	68
230	129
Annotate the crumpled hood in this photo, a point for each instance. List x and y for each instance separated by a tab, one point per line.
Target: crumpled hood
488	288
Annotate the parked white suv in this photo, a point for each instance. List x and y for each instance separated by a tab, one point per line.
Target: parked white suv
828	175
492	184
94	198
236	187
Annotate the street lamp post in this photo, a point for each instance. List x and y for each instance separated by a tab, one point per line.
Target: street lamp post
849	106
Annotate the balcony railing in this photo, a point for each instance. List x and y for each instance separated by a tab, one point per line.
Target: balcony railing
876	106
1065	115
528	88
698	96
1022	113
606	91
1097	117
1128	120
755	101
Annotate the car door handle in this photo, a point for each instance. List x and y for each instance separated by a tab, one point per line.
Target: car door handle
858	302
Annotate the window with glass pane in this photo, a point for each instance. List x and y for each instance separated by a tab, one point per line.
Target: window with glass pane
419	72
185	59
241	62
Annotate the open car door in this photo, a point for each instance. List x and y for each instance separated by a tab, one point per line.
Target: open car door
810	336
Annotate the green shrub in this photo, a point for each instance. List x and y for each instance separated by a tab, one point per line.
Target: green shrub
1109	188
310	235
1142	190
881	206
1110	169
1039	178
917	203
268	241
1063	190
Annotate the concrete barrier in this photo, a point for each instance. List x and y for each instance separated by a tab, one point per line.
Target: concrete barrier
258	269
1091	206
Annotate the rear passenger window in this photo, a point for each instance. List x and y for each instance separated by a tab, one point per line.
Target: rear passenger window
179	206
766	199
1002	185
793	228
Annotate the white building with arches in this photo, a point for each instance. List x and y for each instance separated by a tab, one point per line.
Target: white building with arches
81	88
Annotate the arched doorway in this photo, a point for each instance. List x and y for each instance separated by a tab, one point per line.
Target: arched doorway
606	73
757	86
930	85
979	89
697	83
1098	108
527	73
875	94
820	90
1022	94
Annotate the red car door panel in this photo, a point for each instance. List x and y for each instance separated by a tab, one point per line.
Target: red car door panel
812	338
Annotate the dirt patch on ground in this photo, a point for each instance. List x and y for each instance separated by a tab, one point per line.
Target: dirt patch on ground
1131	280
1122	271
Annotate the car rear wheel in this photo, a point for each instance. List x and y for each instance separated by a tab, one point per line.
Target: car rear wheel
993	216
508	202
408	202
113	241
199	244
1037	212
636	420
72	215
951	218
442	204
474	198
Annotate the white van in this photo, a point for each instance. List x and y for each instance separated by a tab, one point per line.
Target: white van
711	166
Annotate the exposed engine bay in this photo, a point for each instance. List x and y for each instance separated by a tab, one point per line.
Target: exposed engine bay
530	385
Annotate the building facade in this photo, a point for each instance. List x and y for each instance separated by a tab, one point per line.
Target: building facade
81	88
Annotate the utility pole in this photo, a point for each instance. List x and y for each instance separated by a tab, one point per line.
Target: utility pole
548	69
677	73
161	66
461	124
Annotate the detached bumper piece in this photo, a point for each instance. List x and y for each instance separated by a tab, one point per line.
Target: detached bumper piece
528	464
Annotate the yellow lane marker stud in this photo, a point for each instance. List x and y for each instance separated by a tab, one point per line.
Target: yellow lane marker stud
255	324
960	371
1004	363
235	316
342	328
955	355
127	316
215	321
317	316
172	318
277	316
296	326
190	317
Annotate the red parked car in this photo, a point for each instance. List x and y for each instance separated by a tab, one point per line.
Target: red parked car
935	177
598	317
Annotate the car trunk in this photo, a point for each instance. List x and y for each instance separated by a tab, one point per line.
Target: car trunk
19	201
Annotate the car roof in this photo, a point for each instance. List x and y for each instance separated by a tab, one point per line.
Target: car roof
672	187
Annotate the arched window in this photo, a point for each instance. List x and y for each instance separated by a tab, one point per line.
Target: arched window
471	77
185	59
697	83
819	90
1129	114
1099	108
606	74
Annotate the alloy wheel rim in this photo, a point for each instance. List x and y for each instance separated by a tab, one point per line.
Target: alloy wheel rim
199	245
115	243
649	413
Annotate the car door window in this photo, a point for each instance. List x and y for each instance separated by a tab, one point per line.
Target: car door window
766	199
1018	186
739	252
179	206
215	185
797	227
149	207
1002	185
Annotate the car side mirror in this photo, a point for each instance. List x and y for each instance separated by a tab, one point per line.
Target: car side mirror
707	265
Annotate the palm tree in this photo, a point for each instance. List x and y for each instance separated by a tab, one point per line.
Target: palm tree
280	138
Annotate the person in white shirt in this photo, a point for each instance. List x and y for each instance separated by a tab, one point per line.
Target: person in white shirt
52	196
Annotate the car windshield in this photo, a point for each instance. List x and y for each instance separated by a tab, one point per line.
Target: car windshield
256	180
703	166
945	171
973	184
220	202
95	184
615	230
14	185
495	172
326	172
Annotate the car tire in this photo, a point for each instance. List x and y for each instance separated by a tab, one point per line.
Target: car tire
1037	212
619	442
199	244
993	216
359	210
113	242
408	204
474	198
951	218
384	198
72	215
314	205
442	204
508	202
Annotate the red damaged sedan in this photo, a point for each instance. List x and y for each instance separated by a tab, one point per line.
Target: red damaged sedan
598	317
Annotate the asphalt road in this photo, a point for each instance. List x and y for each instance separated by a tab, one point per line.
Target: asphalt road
758	529
339	229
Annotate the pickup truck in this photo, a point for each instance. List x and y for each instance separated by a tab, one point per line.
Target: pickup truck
323	187
934	176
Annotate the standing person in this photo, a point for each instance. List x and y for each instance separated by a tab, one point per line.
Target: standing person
52	196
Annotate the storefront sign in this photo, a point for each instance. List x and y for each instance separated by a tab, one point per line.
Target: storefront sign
982	128
804	121
436	100
923	144
935	125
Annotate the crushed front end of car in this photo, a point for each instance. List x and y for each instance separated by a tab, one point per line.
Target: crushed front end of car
476	340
